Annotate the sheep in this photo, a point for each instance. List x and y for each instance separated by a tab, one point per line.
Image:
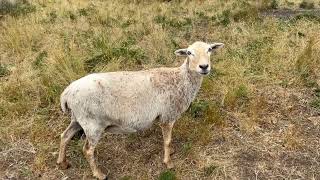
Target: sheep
130	101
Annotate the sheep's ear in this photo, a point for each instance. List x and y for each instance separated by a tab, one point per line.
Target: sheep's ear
181	52
216	46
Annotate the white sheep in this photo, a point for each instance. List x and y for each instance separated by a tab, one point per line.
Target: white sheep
126	102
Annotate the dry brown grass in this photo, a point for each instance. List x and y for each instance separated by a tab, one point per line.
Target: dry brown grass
256	116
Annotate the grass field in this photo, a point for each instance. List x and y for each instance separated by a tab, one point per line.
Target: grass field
257	116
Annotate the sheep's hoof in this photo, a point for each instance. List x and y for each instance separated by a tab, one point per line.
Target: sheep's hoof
64	165
100	176
169	165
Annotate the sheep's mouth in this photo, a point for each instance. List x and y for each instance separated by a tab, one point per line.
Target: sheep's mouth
204	73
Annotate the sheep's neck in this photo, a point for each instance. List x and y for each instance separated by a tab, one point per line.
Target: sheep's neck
192	82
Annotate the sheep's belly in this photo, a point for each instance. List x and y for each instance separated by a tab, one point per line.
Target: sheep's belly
135	120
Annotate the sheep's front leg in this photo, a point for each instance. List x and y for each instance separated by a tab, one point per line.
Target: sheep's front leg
167	133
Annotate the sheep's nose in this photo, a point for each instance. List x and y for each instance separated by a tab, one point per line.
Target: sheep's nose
204	66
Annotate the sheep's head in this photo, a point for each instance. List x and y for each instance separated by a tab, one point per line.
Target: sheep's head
198	56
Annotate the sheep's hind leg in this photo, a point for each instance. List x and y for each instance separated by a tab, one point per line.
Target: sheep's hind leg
88	150
66	136
167	134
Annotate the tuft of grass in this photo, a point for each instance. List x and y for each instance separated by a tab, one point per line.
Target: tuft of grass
307	16
38	62
198	108
186	148
268	4
173	22
167	175
315	103
209	170
224	18
238	96
4	71
307	65
126	178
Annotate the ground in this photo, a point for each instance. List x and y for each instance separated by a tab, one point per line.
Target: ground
257	115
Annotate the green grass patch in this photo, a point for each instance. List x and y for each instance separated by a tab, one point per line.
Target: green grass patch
237	97
173	22
209	170
39	61
167	175
4	71
315	103
306	65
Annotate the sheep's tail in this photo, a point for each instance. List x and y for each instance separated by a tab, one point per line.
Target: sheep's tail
64	101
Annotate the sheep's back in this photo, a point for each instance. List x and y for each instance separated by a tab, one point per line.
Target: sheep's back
122	98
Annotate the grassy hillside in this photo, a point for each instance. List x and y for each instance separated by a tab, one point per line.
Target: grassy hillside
256	116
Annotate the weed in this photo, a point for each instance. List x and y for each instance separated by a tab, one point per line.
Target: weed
167	175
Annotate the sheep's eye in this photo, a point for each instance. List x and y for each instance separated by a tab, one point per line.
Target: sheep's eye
188	53
210	49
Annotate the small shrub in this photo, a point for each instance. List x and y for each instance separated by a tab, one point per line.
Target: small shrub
306	5
168	175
